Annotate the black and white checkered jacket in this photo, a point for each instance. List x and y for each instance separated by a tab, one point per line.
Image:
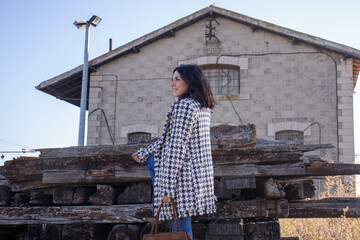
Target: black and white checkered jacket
183	161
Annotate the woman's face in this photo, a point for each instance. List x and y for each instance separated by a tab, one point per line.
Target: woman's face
178	85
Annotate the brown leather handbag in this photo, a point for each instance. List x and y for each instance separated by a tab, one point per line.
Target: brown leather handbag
177	235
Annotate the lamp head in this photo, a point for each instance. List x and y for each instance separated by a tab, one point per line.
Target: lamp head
95	20
80	24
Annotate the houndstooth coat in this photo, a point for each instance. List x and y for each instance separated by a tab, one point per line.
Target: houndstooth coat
183	162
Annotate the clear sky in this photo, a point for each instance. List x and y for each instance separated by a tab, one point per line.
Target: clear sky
38	41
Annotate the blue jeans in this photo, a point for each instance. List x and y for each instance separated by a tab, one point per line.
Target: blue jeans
184	222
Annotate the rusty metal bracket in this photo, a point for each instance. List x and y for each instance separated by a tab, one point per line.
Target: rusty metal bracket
210	26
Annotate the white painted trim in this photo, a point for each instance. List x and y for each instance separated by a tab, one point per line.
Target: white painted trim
242	62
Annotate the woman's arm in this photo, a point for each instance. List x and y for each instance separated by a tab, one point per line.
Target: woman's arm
143	154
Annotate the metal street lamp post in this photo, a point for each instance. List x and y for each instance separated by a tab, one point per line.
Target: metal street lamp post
80	24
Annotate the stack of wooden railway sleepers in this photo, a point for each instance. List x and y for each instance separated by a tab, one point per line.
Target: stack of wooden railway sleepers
99	192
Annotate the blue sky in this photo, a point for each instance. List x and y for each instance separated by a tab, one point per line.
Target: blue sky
39	41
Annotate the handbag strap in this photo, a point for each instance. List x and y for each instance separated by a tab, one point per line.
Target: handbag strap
176	219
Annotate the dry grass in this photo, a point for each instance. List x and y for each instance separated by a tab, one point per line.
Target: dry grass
325	228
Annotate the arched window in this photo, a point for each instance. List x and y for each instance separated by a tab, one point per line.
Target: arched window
139	137
224	79
290	137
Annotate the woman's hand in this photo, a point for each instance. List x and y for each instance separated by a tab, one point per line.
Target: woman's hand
166	199
135	156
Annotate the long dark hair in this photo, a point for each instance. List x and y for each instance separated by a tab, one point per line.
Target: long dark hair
199	86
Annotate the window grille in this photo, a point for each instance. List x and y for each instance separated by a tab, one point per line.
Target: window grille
139	137
290	137
224	79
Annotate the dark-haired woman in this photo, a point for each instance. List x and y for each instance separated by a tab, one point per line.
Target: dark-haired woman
180	161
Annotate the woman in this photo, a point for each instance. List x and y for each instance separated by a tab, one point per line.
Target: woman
180	161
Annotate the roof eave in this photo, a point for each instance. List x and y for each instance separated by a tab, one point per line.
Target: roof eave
289	33
170	29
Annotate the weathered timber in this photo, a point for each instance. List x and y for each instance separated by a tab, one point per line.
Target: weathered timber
33	169
71	195
5	196
320	168
63	176
229	229
141	173
313	168
56	177
137	193
105	195
133	213
104	165
4	183
198	230
84	231
235	156
229	187
273	189
329	208
89	151
290	169
256	208
245	133
130	213
234	136
13	232
300	190
45	231
59	176
278	208
38	197
230	183
3	180
20	199
262	230
26	185
271	149
123	231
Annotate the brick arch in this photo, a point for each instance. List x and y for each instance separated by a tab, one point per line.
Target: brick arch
146	128
290	125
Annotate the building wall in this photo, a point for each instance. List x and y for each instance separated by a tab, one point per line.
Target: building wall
283	86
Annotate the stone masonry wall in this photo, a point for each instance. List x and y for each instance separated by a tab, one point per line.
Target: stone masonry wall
283	86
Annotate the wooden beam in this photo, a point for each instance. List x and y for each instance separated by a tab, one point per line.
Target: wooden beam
320	168
58	177
231	157
32	169
262	230
105	195
89	151
132	213
233	136
141	173
291	169
131	148
300	190
325	208
71	195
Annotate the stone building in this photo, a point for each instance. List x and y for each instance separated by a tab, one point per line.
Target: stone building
291	85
